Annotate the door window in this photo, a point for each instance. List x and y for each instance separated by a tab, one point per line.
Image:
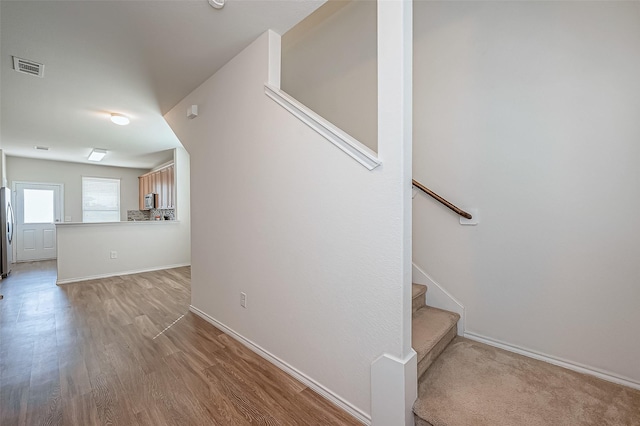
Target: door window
38	206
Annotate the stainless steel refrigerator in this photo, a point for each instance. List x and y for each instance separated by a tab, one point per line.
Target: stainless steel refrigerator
7	222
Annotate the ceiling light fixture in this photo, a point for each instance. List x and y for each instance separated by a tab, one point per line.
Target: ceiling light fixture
97	154
119	119
216	4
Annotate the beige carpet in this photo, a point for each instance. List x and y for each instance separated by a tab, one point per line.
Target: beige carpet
472	384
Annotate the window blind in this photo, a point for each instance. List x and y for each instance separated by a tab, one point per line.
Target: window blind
100	199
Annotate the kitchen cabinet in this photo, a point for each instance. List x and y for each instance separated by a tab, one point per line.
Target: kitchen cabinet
159	182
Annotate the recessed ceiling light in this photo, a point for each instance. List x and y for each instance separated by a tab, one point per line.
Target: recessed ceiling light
97	154
119	119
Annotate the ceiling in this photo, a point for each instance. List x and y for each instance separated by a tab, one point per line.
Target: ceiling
135	57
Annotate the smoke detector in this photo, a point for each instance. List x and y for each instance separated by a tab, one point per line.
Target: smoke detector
216	4
26	66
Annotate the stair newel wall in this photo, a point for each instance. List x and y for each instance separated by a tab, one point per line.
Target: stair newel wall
336	279
393	375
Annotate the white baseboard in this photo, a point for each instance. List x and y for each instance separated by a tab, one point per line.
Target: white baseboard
303	378
438	297
117	274
570	365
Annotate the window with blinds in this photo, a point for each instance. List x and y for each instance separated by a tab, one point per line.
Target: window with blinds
100	199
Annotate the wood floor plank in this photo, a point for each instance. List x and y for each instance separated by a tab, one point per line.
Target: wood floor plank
14	396
44	406
218	406
80	410
95	356
131	374
116	313
16	356
321	411
143	349
155	400
110	352
243	398
153	333
268	373
112	403
44	403
74	376
182	405
144	418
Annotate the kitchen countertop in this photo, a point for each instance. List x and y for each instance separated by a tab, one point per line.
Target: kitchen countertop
124	222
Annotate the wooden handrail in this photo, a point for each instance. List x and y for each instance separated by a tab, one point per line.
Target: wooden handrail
442	200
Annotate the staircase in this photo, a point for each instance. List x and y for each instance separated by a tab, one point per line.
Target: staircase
473	384
433	329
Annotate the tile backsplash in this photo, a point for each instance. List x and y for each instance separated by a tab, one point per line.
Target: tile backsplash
138	215
165	214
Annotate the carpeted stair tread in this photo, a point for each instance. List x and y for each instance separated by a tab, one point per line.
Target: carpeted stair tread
432	331
418	290
418	299
476	384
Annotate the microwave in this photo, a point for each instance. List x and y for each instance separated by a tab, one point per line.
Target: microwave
150	201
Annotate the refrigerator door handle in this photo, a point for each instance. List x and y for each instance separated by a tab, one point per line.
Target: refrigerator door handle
10	224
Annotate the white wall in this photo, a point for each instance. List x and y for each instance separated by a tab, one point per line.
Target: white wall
329	63
314	239
3	168
530	111
70	174
84	249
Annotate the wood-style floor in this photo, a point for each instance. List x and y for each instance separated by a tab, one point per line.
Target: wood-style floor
95	353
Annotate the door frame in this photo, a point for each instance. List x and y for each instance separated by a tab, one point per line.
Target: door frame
14	201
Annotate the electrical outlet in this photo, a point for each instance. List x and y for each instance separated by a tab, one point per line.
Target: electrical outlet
243	300
114	254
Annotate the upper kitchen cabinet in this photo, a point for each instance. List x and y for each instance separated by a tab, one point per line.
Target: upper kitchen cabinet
160	182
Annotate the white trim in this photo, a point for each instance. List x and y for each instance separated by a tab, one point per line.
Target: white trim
394	389
161	166
14	203
570	365
117	274
339	138
438	297
317	387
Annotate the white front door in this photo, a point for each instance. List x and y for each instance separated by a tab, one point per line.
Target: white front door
38	208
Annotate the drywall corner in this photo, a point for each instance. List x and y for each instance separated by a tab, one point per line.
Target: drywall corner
394	389
275	48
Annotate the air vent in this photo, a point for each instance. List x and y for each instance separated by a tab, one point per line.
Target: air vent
28	67
41	148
